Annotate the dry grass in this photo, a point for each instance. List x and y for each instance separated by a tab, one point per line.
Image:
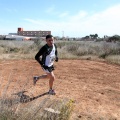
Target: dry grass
113	59
66	49
47	109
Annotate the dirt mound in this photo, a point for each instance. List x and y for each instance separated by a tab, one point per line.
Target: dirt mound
94	86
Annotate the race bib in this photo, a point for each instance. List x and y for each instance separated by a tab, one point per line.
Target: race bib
52	59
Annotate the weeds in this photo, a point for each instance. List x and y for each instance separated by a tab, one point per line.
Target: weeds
66	110
44	111
66	49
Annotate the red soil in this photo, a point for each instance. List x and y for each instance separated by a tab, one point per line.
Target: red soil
93	85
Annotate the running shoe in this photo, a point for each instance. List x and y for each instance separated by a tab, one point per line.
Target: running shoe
35	79
51	92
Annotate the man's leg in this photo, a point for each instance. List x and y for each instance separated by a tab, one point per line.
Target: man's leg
51	80
36	78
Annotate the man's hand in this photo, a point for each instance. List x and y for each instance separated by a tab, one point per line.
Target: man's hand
56	59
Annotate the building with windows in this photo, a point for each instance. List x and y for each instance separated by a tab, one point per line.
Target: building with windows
40	33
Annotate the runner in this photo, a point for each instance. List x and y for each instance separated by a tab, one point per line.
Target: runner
46	57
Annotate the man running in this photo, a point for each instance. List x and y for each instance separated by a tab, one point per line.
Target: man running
46	57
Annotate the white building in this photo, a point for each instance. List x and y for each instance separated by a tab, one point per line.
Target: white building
17	37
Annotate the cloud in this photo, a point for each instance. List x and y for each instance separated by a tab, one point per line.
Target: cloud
65	14
50	9
103	23
11	10
33	21
79	16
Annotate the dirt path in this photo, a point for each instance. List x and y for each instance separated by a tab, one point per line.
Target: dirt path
94	86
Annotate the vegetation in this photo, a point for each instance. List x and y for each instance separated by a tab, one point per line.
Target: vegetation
46	110
66	49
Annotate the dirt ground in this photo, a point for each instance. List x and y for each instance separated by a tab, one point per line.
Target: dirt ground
93	85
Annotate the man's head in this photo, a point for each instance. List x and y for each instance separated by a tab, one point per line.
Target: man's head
49	40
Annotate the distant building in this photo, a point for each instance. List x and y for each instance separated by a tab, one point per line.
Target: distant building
12	33
32	33
18	37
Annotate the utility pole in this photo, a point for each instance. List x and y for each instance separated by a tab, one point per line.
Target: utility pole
63	34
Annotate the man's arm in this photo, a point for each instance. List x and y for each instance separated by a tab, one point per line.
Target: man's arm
37	56
56	53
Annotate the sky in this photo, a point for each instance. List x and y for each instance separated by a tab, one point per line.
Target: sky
68	18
